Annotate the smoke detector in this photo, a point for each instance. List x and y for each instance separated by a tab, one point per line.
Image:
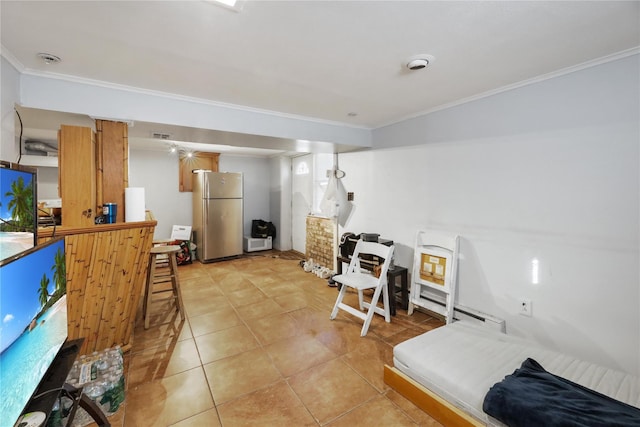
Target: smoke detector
418	62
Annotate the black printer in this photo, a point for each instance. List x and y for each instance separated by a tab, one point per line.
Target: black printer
348	243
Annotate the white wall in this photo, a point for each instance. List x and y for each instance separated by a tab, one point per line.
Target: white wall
48	183
157	172
101	99
280	201
9	96
548	171
256	175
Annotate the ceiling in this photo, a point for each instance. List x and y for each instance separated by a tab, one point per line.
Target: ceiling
336	61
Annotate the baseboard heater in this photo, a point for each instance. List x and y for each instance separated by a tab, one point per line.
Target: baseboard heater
468	314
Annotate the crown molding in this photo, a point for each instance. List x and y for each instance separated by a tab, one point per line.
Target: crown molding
538	79
6	54
176	97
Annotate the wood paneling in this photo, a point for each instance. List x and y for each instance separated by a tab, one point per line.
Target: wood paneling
112	159
208	161
77	175
106	270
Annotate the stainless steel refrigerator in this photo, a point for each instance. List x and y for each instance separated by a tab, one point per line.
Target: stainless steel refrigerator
217	214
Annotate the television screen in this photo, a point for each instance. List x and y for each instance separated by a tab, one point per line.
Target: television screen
18	209
33	316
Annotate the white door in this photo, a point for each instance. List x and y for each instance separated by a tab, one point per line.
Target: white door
301	200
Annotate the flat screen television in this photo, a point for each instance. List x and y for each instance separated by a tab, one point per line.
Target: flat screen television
18	208
33	322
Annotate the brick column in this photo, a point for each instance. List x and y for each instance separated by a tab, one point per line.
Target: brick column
321	238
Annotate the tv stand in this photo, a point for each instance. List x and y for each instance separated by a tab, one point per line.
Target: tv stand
53	384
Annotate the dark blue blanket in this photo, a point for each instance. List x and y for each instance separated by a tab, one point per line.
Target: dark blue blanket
533	397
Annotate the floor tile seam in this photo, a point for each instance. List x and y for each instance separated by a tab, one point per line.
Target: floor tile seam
195	415
202	363
155	348
158	380
158	372
206	379
194	295
263	387
263	347
332	351
235	309
345	413
343	359
208	312
385	394
287	377
302	402
271	315
246	325
390	339
145	348
234	355
216	331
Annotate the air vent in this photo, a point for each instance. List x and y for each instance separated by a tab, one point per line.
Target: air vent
160	135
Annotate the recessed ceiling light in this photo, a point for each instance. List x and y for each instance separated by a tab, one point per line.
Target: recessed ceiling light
235	5
230	3
420	61
49	58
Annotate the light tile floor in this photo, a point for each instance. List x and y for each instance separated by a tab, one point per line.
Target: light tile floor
257	348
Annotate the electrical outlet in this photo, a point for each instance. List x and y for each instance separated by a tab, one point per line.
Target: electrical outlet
526	308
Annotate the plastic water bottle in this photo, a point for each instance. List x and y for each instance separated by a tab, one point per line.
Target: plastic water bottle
55	418
107	400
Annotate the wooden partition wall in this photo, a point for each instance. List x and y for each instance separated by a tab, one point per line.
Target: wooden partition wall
106	271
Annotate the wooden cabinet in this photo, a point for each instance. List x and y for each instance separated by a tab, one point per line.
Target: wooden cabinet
208	161
112	160
77	175
93	170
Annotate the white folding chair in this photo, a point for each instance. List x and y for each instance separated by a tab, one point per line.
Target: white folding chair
360	279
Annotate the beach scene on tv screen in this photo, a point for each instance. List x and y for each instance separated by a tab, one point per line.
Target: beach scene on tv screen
33	315
17	221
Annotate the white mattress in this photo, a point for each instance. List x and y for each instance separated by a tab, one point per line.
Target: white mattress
461	361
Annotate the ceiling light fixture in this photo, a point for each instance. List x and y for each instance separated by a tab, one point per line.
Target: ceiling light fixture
49	58
235	5
420	61
230	3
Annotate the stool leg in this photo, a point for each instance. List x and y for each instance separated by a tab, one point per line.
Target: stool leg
175	283
148	290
